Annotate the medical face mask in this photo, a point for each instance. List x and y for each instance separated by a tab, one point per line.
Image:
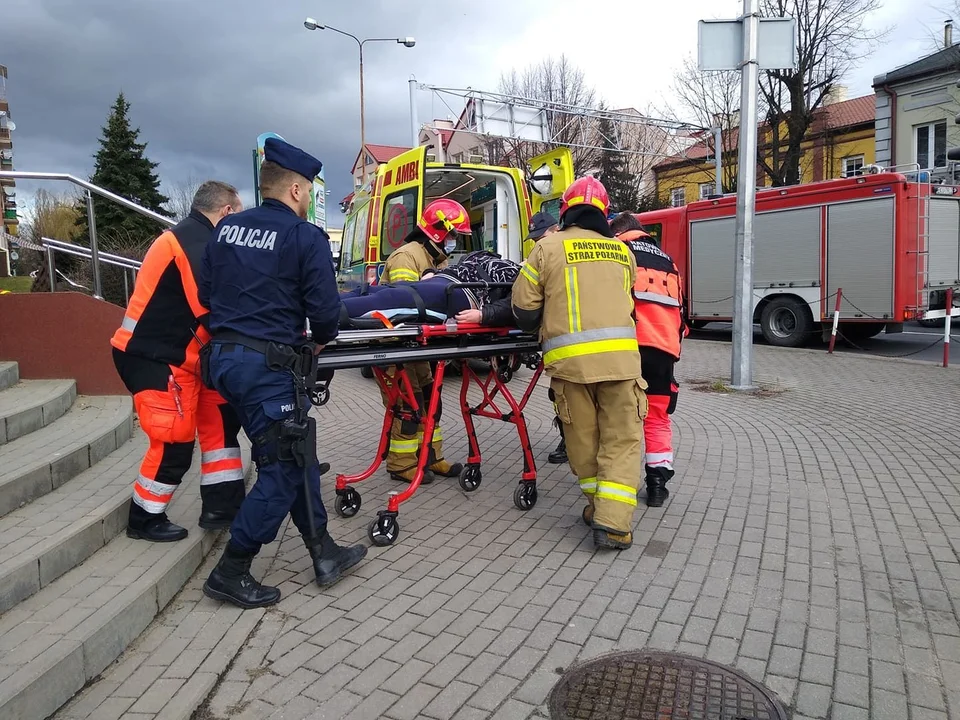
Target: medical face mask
449	245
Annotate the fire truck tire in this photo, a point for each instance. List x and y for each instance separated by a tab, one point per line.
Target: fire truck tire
786	322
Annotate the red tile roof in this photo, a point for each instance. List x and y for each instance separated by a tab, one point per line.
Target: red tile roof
381	153
849	113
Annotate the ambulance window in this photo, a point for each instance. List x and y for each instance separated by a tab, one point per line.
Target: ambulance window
399	218
346	244
552	207
359	237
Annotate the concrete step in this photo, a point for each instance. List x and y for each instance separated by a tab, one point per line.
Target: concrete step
32	404
9	374
55	533
38	463
64	636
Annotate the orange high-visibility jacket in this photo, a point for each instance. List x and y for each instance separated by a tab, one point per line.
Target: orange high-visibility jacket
162	320
657	294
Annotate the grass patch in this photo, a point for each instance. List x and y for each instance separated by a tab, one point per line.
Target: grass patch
710	386
16	284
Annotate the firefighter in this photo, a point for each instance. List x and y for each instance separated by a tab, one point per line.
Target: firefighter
425	248
576	288
156	351
266	271
658	298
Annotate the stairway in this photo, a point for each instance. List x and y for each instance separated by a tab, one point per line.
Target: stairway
74	590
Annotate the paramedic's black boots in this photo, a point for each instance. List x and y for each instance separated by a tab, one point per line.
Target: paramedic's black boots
157	528
231	581
558	456
657	492
216	519
330	560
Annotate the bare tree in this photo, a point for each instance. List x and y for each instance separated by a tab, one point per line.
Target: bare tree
710	100
181	197
832	38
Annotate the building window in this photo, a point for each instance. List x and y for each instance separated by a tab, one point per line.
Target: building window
677	197
852	166
931	145
706	190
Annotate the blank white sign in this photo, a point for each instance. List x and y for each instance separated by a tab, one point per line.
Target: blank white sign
720	44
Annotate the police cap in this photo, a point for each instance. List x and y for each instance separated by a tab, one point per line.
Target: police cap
291	158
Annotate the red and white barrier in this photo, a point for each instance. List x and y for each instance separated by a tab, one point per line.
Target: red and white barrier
946	328
836	321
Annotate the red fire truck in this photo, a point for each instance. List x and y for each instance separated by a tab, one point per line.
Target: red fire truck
891	244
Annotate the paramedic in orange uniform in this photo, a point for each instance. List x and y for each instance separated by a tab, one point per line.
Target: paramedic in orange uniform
156	353
658	299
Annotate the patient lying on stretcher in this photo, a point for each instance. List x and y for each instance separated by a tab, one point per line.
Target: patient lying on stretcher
427	300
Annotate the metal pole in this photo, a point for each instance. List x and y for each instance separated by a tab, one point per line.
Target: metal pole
414	123
52	269
718	151
126	287
94	252
363	137
742	356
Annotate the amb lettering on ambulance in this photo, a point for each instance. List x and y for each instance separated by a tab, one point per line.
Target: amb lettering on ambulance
383	213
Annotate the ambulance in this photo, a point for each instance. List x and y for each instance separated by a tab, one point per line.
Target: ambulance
500	201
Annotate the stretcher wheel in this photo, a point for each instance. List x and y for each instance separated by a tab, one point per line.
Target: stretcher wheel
470	478
348	504
525	496
366	372
384	530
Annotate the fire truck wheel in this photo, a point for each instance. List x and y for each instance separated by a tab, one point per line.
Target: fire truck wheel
786	322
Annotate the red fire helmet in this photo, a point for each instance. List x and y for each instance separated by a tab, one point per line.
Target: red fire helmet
586	191
443	216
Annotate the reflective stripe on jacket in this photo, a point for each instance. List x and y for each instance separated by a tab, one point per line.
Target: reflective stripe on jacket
582	280
406	264
658	296
162	319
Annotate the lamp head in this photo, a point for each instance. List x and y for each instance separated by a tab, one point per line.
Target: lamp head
311	24
407	42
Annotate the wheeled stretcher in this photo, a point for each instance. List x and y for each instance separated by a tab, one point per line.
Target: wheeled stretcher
507	350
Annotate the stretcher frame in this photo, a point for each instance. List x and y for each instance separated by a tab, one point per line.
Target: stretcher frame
507	349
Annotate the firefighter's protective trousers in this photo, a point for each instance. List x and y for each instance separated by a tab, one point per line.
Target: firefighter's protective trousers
405	435
174	409
262	399
603	428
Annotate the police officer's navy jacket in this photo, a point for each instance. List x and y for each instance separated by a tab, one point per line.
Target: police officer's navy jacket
264	271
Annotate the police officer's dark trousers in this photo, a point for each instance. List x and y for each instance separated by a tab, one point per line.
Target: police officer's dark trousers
263	398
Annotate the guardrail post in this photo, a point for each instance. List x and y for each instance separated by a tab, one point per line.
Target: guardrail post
836	321
52	269
946	328
126	288
94	250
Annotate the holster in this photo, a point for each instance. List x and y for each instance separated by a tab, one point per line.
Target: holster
206	350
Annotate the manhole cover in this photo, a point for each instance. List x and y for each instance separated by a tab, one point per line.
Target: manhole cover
641	685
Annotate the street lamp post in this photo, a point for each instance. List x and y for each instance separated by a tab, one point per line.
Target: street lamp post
311	24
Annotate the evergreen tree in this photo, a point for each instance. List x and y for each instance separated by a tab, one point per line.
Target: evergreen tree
613	172
122	168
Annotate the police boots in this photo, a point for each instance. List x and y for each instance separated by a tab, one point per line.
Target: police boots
657	479
231	581
330	560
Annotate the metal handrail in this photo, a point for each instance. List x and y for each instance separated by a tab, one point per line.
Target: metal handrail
91	189
54	246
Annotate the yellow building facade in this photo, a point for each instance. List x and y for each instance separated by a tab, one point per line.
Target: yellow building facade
838	144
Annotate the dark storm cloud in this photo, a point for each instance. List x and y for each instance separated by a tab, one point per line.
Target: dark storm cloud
206	77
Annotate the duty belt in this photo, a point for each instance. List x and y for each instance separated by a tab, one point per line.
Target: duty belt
278	355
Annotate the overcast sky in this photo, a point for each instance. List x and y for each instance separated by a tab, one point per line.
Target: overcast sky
205	78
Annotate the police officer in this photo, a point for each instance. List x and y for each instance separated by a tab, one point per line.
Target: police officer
265	271
576	288
426	248
658	298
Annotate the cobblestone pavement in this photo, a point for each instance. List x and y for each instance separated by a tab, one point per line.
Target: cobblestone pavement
810	540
